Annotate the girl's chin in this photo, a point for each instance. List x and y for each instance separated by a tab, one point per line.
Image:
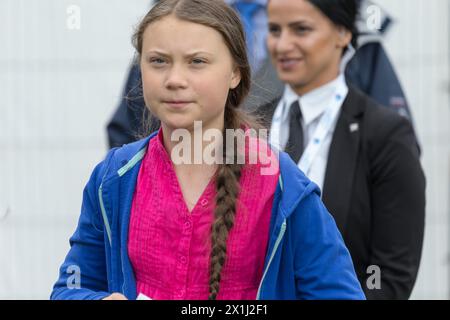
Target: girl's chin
177	122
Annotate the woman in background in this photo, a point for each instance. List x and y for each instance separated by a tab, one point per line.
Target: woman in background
364	157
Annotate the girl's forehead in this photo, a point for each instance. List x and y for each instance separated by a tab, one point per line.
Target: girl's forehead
174	25
172	32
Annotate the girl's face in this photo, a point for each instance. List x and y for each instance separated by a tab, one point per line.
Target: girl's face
305	46
187	72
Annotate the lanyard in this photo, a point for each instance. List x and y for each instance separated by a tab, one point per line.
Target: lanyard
323	128
277	138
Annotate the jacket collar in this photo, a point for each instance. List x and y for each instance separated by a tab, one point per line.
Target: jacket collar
127	156
294	184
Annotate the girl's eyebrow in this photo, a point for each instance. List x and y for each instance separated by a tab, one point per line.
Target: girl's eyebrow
195	53
158	52
188	55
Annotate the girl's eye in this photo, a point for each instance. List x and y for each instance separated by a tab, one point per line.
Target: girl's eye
197	61
156	61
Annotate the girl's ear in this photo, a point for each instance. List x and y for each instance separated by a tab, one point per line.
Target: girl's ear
235	78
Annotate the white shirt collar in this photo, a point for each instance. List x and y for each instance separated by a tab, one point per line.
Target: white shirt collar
314	103
289	96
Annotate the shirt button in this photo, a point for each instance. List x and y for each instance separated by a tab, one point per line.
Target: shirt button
187	224
183	260
204	202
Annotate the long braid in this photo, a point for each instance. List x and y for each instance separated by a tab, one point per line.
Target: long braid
227	186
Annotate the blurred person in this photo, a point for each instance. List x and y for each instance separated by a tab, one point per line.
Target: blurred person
370	70
151	225
363	156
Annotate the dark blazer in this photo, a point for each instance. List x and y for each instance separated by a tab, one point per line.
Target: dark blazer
375	188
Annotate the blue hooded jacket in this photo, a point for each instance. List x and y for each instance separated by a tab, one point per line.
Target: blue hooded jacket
306	257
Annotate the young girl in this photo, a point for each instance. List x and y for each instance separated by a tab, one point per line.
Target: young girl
364	157
151	224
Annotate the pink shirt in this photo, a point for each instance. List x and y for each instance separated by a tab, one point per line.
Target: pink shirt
169	247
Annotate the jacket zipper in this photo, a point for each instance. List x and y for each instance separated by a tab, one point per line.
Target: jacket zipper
105	217
277	243
108	228
120	172
275	248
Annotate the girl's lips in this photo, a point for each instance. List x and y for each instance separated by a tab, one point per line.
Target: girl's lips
177	104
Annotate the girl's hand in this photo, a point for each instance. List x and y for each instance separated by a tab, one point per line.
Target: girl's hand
115	296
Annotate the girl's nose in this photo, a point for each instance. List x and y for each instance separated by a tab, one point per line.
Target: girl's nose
176	78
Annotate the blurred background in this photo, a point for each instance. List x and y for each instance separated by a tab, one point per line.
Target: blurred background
61	79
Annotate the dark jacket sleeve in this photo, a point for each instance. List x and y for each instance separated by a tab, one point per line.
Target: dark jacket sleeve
127	121
398	207
83	274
